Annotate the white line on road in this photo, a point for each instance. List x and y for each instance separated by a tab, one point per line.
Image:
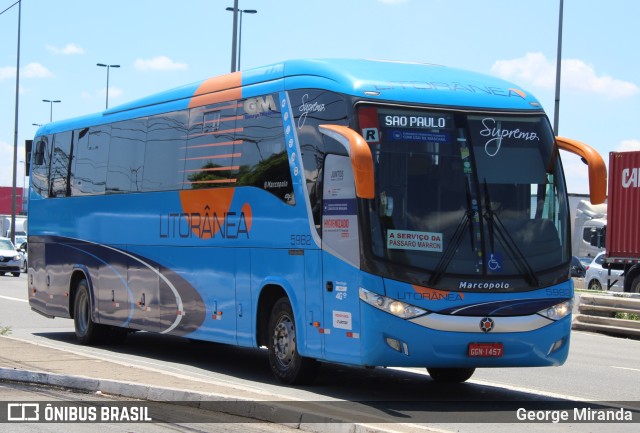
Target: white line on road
626	368
13	299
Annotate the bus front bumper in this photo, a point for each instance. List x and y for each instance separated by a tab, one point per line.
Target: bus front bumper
394	342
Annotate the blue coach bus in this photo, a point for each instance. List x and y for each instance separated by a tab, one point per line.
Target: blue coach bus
351	211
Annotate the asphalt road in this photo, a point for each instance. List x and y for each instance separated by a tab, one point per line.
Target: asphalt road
600	368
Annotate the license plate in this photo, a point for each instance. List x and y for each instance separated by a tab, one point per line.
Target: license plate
485	350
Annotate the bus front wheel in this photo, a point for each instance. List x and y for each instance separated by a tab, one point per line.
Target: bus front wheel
286	363
450	375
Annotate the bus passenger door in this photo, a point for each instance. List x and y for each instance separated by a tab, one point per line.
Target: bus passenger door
341	261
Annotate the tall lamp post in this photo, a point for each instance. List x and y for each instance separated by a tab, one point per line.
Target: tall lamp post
108	67
239	35
556	111
51	107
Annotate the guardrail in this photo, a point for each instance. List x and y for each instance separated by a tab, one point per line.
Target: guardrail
597	313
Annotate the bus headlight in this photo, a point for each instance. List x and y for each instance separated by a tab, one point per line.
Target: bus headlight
558	311
393	306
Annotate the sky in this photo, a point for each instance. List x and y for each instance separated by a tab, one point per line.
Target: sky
162	44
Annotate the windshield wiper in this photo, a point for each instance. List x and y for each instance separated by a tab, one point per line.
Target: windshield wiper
449	252
496	226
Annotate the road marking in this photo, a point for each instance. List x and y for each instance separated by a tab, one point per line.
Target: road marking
626	368
504	386
13	299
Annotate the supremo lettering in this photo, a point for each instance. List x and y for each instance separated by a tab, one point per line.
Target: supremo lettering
498	133
416	121
229	225
630	178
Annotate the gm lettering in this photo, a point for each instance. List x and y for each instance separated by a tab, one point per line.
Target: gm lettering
259	105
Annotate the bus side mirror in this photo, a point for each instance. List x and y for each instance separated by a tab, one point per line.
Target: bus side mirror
360	154
27	156
597	169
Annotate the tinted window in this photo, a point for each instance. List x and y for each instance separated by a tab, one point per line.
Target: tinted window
259	151
90	172
40	166
126	156
164	158
210	149
310	109
60	164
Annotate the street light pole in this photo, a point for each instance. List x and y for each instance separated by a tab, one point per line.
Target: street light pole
108	67
239	34
556	111
51	107
12	235
245	11
234	39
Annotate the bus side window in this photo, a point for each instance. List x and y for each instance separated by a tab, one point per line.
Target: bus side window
90	168
164	157
40	166
126	156
259	151
209	158
60	160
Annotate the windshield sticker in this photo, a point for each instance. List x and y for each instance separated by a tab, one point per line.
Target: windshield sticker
412	135
494	263
497	133
410	240
371	135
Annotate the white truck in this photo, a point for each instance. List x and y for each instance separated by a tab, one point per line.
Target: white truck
5	225
589	223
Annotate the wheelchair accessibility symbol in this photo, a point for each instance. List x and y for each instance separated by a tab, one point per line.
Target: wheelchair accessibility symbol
494	263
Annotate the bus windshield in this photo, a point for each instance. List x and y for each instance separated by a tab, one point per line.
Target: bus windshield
466	195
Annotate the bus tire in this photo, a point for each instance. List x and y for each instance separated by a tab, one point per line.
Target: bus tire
450	375
87	332
286	363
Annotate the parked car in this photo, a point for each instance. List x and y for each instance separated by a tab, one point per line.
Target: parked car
596	276
577	268
23	250
11	260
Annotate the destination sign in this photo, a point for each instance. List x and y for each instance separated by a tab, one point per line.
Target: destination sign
417	121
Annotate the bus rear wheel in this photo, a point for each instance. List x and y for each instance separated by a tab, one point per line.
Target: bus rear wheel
450	375
87	332
287	365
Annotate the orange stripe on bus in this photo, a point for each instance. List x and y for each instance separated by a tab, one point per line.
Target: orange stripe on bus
218	89
231	167
222	143
220	120
212	181
222	131
226	155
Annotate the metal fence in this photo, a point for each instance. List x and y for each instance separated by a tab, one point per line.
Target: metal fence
610	313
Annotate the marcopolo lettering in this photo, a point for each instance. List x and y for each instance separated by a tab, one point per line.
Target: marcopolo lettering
488	285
